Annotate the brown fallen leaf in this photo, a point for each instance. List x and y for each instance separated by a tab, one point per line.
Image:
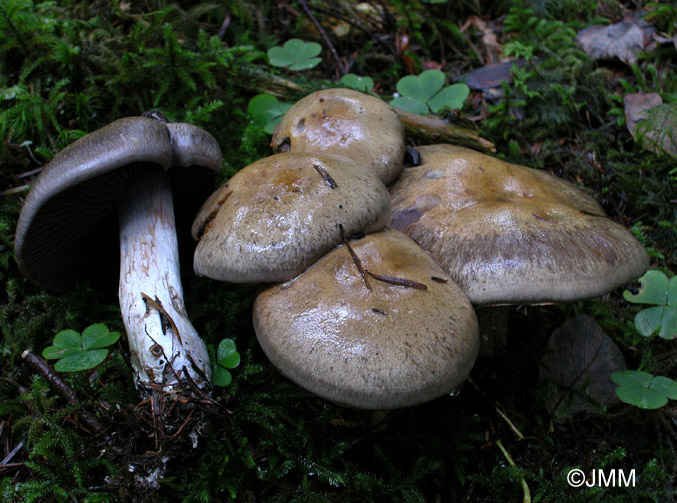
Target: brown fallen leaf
489	76
637	106
622	40
492	48
663	38
580	358
651	122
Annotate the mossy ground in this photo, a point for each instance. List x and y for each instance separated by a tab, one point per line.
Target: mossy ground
68	68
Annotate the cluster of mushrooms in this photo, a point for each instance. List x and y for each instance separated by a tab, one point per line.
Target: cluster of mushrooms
371	302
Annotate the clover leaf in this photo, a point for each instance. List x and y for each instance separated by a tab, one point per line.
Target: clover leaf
267	111
295	54
656	289
226	357
352	81
425	93
644	390
84	351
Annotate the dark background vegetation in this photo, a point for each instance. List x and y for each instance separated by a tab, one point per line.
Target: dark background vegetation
69	67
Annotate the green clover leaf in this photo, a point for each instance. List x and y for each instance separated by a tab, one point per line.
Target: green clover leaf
656	289
352	81
226	357
267	111
425	93
643	390
295	54
77	352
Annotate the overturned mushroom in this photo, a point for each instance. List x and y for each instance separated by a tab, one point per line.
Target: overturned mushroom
278	215
401	335
510	234
347	123
64	232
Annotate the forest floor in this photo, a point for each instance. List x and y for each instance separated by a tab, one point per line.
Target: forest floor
542	97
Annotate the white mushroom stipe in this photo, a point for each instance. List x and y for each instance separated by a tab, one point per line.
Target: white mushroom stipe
163	343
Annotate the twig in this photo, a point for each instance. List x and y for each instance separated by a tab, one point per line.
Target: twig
326	38
327	178
398	281
427	129
345	19
157	305
41	367
30	173
9	456
525	487
435	130
224	27
510	424
355	258
14	190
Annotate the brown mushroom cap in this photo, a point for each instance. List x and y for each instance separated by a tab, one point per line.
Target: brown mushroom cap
388	347
510	234
278	215
348	123
65	229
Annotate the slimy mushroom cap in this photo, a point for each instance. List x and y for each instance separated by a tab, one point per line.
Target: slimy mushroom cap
347	123
67	224
388	347
278	215
509	234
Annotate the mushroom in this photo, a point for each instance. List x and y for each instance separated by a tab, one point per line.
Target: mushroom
280	214
402	334
64	233
508	234
344	122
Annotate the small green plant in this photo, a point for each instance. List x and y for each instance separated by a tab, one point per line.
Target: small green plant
225	358
77	352
295	55
644	390
267	111
352	81
426	93
656	289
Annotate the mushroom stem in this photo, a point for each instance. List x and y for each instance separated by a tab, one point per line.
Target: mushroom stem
163	343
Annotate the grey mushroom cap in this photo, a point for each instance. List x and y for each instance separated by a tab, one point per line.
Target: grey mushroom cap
345	122
388	347
508	234
278	215
65	229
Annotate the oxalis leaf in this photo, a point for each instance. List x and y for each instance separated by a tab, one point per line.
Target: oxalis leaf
295	54
658	290
84	351
644	390
226	357
424	93
84	360
352	81
267	111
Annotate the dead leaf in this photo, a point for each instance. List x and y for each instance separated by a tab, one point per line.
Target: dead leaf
490	43
622	40
651	122
432	65
580	358
637	108
665	39
489	76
